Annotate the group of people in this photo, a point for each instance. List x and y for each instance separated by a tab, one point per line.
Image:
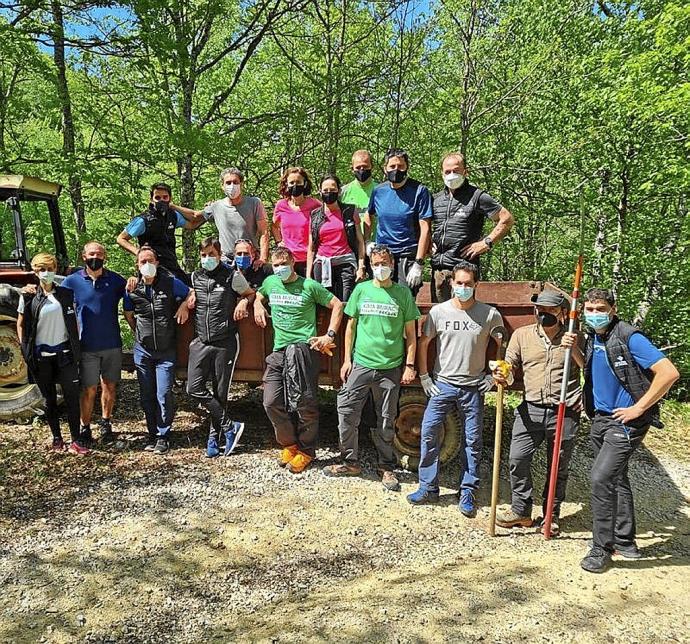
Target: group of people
359	251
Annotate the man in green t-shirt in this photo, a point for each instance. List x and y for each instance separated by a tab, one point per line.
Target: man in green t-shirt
383	327
292	370
358	192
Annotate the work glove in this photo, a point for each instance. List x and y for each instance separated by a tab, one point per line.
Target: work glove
485	384
502	370
414	276
429	386
370	245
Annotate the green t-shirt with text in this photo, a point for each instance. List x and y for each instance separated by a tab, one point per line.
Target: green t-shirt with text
358	195
293	308
381	314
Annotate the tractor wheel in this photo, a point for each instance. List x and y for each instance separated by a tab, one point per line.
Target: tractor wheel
408	430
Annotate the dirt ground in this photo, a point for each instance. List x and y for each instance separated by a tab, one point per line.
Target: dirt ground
125	546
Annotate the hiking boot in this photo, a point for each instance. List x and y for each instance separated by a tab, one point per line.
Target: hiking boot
422	497
630	551
390	481
555	528
597	560
58	445
107	435
212	448
299	462
287	454
232	436
162	446
85	436
342	469
511	519
76	448
467	504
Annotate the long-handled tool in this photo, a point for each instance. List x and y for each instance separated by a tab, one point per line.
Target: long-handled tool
499	333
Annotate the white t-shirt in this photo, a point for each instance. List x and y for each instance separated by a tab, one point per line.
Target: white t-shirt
51	329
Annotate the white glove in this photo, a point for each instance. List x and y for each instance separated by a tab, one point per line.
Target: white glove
429	386
485	384
369	246
414	276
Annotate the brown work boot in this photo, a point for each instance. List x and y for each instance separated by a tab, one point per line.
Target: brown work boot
287	454
300	462
390	481
511	519
342	469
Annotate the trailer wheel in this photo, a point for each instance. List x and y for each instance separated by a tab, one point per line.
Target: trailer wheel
408	429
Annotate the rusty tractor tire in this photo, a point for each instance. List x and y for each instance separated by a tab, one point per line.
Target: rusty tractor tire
408	426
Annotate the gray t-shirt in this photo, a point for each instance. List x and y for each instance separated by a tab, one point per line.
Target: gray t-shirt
235	221
51	329
461	341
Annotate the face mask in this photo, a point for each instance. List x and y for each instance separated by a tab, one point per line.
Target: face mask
547	319
94	263
463	293
243	261
297	190
329	197
362	175
396	176
161	207
148	270
209	263
453	180
284	272
597	320
381	273
232	190
46	277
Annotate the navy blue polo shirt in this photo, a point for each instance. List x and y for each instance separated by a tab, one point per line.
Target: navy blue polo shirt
97	304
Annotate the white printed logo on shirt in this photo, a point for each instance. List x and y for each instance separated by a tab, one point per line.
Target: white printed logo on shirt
285	299
379	309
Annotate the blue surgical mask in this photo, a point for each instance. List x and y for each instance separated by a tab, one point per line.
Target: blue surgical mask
597	320
463	293
209	263
284	272
243	261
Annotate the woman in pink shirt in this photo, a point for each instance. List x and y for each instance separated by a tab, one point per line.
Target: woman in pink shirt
291	215
335	256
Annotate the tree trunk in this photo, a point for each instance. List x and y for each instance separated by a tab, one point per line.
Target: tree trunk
601	226
68	139
621	217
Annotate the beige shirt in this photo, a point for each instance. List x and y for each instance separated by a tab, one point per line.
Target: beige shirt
542	363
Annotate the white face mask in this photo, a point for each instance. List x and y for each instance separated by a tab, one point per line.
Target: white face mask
46	277
381	273
148	270
453	180
232	190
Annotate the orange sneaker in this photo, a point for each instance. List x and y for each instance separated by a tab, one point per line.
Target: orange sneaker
299	463
287	454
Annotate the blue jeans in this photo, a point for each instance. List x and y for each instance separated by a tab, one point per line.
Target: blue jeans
470	405
156	374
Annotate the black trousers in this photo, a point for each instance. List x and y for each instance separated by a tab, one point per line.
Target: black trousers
59	370
214	363
403	263
613	510
343	278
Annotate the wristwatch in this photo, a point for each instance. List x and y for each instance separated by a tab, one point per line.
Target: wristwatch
330	333
489	242
410	366
419	261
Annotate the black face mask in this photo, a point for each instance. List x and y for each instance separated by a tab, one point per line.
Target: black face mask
94	263
396	176
547	319
297	190
362	175
161	207
329	197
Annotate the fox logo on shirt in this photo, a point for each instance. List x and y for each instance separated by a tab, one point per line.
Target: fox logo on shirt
462	325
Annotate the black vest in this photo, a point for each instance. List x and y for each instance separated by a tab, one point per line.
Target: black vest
633	378
160	235
32	311
156	324
215	304
455	226
318	219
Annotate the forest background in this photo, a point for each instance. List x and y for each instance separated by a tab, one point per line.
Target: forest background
564	110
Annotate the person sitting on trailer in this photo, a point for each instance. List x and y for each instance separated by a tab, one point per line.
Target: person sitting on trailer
625	378
292	370
539	350
244	258
462	328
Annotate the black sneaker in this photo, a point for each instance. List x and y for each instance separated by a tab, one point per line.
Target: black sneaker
107	435
85	436
162	446
597	560
150	444
630	551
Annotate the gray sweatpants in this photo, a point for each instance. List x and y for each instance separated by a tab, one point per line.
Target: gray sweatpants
385	388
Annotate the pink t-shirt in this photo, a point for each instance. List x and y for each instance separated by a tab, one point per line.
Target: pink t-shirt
332	237
294	225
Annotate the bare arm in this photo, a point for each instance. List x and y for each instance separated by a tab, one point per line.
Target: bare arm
424	232
310	254
423	354
503	225
195	217
242	307
336	307
275	229
368	219
182	314
350	332
410	350
260	313
262	229
129	316
20	327
123	241
361	255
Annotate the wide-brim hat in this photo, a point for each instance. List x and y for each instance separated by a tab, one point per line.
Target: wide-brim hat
549	297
